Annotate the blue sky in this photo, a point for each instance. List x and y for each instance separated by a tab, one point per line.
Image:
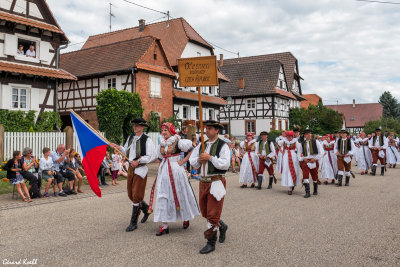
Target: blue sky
346	49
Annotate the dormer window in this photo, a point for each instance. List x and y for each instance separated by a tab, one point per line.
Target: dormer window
281	84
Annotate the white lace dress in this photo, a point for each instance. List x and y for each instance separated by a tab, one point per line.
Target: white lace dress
329	161
364	156
287	179
246	171
165	209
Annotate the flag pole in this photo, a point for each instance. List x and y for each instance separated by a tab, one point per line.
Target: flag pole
201	127
99	134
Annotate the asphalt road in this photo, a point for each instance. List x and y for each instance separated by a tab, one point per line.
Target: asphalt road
348	226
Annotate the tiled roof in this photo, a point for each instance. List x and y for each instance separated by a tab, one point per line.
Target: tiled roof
360	114
260	78
194	97
30	22
284	93
36	71
113	57
311	99
286	58
174	35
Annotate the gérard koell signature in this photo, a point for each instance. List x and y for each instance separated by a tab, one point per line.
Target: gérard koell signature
25	261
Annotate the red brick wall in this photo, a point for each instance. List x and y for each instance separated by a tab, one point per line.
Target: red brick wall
164	105
90	117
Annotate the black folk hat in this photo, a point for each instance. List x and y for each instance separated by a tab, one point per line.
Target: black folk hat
306	131
214	124
378	130
140	121
264	133
344	131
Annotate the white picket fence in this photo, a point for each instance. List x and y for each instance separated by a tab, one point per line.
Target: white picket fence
37	141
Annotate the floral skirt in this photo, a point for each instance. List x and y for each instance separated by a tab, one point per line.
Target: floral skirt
18	180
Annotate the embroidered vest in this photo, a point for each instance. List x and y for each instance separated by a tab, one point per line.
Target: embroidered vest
313	148
215	151
172	149
140	146
347	146
248	147
267	147
380	140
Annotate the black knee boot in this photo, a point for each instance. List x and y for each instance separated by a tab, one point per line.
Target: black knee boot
382	171
347	181
134	218
271	179
307	186
145	209
315	189
373	170
340	177
222	231
210	246
259	180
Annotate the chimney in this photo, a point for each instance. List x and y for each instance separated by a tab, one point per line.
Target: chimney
241	83
142	24
354	103
221	60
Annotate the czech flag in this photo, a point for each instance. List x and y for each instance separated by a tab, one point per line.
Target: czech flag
92	149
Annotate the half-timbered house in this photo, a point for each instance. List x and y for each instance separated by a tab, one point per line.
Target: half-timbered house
29	40
137	65
179	40
263	90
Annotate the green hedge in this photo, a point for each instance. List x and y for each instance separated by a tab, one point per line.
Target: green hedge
20	121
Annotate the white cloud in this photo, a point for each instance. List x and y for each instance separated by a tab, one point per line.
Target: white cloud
346	49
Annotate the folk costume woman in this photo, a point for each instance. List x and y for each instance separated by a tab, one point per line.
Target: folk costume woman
290	161
329	160
364	157
175	198
392	154
249	167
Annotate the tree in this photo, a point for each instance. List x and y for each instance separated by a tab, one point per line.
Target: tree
154	122
46	121
319	119
390	105
386	124
115	111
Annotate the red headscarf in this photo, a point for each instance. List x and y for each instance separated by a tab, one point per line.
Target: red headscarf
330	136
169	126
250	134
289	133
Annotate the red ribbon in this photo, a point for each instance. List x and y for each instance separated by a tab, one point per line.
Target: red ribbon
253	168
171	179
291	165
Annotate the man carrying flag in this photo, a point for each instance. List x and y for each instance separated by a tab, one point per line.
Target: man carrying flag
140	150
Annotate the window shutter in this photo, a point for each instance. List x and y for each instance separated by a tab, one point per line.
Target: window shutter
10	45
44	53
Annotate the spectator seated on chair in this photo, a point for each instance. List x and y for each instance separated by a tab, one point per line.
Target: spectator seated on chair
72	169
30	167
59	157
47	172
14	169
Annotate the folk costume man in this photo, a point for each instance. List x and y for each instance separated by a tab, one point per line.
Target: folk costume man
290	162
140	150
344	150
213	164
249	166
364	159
311	153
266	153
378	145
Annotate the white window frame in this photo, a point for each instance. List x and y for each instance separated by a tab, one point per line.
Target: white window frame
188	112
247	104
28	98
152	93
37	48
111	78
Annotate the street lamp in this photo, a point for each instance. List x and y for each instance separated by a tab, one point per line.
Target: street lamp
229	101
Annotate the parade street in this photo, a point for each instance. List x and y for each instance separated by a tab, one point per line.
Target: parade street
348	226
